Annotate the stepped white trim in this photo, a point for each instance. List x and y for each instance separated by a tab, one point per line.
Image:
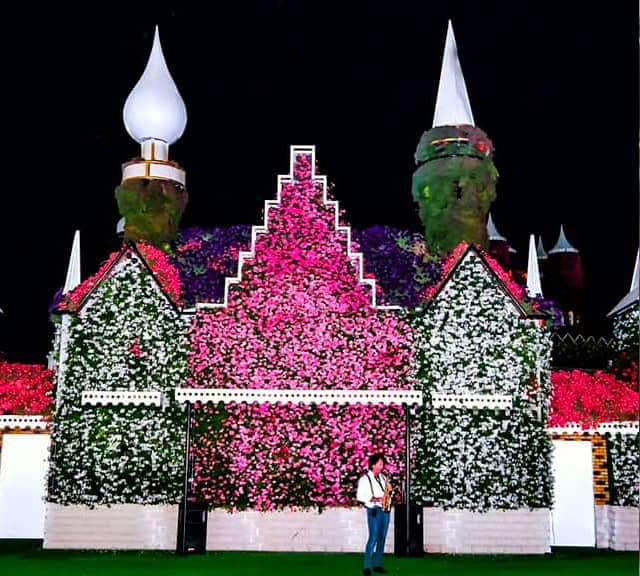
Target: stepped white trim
491	401
299	396
23	422
121	397
602	428
244	255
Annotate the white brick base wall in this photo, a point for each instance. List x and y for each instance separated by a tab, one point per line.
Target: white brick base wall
617	527
119	527
138	527
492	532
334	530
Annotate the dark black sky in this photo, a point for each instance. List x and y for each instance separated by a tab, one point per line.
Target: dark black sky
554	86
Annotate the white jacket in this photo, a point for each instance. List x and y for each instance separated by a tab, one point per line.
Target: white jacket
364	493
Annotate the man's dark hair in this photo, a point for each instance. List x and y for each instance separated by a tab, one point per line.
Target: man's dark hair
375	457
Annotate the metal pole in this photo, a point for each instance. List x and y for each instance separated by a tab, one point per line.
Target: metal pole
186	480
407	471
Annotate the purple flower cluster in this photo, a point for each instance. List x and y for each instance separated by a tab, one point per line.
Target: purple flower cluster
399	261
396	258
205	256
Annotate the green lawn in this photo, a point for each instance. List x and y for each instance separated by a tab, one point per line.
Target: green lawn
29	559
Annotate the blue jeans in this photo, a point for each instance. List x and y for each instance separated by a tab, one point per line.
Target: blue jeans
378	526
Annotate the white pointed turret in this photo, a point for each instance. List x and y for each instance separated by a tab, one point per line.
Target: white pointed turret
634	293
120	226
542	254
562	245
634	278
452	103
492	231
73	271
155	116
534	287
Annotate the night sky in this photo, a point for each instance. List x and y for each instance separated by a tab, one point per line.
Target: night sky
554	87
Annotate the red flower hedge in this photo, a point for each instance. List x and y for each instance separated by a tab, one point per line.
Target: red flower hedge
25	389
589	398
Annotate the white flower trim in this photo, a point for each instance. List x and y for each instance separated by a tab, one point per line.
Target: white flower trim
491	401
299	396
23	422
121	397
243	256
602	428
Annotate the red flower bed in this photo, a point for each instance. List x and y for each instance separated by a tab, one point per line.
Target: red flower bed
589	398
25	389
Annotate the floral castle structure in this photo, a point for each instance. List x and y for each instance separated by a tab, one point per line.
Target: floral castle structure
302	346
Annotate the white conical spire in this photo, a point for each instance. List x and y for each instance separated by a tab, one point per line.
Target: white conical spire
562	245
492	231
534	287
634	278
154	109
452	103
542	254
73	271
633	295
120	226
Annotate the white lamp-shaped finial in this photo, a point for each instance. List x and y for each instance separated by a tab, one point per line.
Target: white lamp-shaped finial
155	116
154	109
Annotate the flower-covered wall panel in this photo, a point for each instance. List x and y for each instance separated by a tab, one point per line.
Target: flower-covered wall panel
299	318
473	339
482	460
626	329
127	336
624	454
268	457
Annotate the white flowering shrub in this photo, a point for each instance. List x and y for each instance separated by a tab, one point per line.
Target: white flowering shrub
625	332
127	336
474	339
624	455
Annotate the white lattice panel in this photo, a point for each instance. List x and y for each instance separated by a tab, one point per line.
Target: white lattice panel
491	401
21	421
602	428
299	396
120	397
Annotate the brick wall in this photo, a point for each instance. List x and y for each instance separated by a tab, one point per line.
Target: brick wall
119	527
492	532
334	530
133	526
617	527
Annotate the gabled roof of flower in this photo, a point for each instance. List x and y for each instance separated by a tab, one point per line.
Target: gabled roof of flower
513	291
154	259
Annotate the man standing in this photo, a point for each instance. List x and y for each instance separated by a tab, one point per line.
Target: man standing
371	489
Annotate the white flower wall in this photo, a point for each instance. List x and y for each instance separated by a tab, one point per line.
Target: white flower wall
624	454
626	327
473	339
127	336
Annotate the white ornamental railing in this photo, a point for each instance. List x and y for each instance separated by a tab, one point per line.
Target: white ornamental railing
602	428
474	401
23	422
227	395
121	397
